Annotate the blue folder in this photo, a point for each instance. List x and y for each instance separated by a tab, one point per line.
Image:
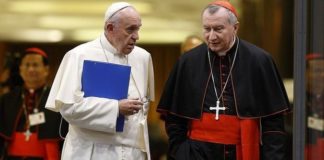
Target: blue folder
106	80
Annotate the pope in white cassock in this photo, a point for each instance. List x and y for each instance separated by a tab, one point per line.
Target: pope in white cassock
92	120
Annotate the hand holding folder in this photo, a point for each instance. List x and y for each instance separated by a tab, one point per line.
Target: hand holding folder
106	80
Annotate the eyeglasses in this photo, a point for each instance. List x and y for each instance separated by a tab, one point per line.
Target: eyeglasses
145	99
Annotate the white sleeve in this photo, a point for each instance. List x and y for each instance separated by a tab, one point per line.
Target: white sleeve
99	114
151	90
66	88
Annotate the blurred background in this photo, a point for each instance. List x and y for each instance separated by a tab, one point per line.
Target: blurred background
59	25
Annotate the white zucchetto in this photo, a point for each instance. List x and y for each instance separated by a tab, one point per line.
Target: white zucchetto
114	8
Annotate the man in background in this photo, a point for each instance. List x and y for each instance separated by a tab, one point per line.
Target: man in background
190	42
315	106
27	130
9	76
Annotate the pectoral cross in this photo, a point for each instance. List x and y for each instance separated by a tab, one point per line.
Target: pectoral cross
27	135
217	109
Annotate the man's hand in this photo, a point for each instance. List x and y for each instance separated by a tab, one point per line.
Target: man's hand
129	106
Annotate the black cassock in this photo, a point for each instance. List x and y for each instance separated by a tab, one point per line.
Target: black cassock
12	118
254	90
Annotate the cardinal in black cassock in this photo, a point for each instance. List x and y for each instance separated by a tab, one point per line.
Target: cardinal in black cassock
224	104
27	130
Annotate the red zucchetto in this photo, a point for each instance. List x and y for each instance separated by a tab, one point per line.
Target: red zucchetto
225	4
36	51
312	56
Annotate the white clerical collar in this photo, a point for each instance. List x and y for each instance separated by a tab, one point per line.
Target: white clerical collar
224	52
107	45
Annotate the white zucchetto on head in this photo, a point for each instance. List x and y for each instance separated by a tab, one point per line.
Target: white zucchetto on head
114	8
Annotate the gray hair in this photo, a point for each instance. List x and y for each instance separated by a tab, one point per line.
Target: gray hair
113	19
232	19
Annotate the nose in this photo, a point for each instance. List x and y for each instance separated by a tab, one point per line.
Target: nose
212	35
135	35
31	69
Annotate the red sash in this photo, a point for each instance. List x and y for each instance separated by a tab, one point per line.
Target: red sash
48	150
244	133
315	151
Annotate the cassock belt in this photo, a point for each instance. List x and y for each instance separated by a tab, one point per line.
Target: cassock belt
244	133
33	147
315	151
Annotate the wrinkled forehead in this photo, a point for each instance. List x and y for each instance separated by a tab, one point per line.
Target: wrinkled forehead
129	16
316	62
129	12
31	58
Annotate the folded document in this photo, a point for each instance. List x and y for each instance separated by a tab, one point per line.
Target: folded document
106	80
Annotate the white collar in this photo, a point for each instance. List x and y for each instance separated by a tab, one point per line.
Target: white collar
224	52
106	45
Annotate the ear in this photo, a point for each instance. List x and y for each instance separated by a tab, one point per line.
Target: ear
109	27
236	27
47	70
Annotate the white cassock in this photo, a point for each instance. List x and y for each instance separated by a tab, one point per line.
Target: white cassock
92	130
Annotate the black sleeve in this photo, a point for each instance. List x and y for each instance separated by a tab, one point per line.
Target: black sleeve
176	128
2	140
273	138
2	148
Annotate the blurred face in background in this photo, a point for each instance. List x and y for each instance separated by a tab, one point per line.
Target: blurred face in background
190	43
315	73
33	71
